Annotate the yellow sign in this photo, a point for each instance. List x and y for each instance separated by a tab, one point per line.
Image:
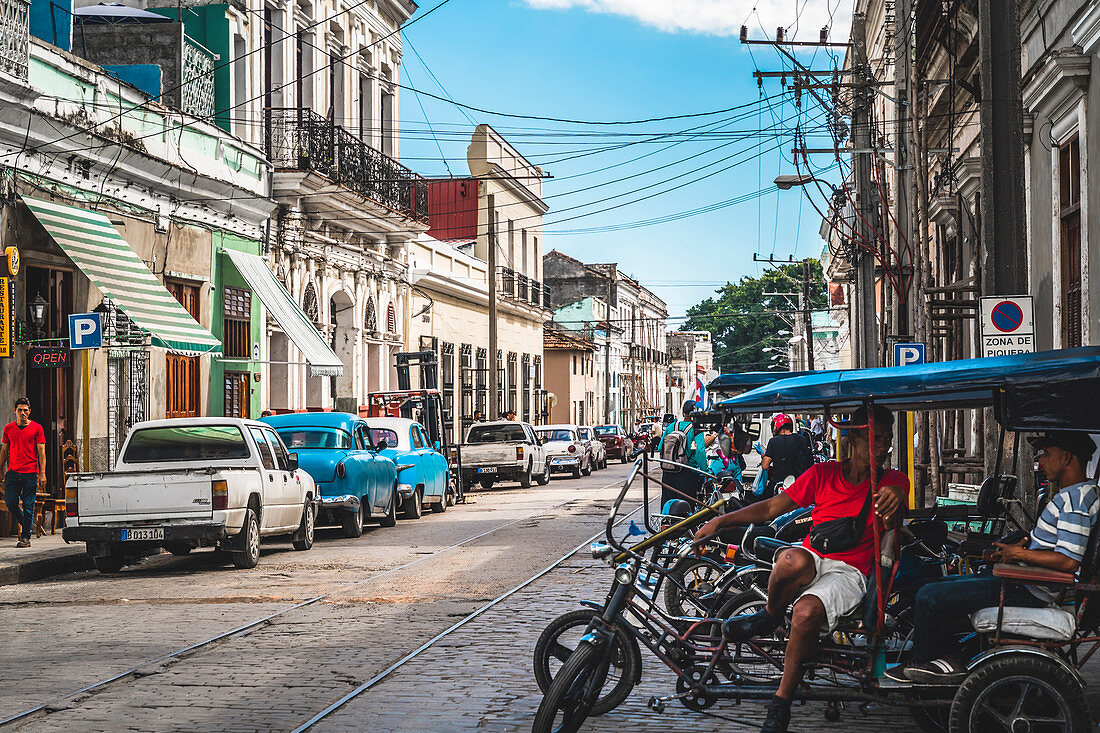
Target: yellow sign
11	256
5	317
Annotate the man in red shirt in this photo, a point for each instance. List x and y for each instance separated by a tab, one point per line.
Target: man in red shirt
24	451
823	588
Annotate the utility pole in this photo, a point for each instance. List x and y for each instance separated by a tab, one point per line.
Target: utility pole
1003	244
903	158
807	319
862	160
1003	249
607	357
494	381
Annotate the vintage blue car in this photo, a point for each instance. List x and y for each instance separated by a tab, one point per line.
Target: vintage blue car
356	482
421	468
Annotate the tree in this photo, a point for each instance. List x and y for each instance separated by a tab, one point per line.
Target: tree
743	321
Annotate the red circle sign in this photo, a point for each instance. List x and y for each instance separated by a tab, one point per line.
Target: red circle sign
1007	316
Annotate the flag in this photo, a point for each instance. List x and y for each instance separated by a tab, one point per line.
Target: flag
702	399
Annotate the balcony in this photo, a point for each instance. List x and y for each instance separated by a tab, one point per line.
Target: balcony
14	35
301	139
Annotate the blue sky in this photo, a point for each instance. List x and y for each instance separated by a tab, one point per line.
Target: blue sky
619	60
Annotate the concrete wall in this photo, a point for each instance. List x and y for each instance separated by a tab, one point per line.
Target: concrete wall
160	44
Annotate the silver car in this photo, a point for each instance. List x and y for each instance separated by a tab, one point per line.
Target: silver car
595	446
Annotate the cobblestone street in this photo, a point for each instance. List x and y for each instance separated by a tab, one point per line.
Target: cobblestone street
78	629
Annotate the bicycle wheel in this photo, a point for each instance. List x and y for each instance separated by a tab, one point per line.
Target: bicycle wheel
568	702
690	586
560	639
746	663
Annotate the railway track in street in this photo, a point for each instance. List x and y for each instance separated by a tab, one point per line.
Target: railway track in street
139	670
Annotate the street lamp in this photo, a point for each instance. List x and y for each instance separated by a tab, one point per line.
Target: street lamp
788	181
38	313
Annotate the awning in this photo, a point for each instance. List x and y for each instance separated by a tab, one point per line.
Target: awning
323	361
96	247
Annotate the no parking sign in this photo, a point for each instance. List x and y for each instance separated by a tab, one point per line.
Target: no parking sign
1007	325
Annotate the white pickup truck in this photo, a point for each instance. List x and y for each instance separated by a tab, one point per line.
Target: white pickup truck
505	450
192	482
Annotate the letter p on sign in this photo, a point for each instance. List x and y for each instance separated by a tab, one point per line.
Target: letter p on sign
85	330
906	354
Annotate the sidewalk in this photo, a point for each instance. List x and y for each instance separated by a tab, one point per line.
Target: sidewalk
48	555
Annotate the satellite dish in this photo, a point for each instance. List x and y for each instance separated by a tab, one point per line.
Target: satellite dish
551	399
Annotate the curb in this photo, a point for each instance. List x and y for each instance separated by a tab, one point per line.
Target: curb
46	567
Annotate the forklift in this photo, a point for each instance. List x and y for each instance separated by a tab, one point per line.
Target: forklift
425	406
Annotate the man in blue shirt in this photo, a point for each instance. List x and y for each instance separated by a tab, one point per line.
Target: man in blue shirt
684	480
1058	542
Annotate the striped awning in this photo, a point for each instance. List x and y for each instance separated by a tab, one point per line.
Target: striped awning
323	361
96	247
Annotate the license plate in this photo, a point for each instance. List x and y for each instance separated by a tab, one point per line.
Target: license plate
142	535
562	460
486	470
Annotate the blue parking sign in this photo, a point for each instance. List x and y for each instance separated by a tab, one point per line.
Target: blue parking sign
85	330
906	354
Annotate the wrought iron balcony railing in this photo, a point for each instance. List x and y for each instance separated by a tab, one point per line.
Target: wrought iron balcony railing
301	139
14	37
506	281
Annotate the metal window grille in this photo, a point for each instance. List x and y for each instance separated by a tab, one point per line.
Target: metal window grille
500	382
127	395
197	94
309	304
447	367
482	378
525	368
512	401
14	37
466	380
370	316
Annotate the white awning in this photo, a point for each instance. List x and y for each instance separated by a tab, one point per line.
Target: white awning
323	361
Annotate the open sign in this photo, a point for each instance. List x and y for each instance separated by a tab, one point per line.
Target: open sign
48	357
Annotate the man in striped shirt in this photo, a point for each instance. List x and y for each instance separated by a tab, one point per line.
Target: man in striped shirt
1058	542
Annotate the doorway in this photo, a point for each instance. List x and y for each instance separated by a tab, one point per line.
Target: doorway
51	390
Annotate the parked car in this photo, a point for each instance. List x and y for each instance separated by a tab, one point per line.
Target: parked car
421	468
595	446
355	482
192	482
616	442
565	449
504	450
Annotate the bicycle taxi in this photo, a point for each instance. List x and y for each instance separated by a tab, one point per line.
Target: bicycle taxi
1024	672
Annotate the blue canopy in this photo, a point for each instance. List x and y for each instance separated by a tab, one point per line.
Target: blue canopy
725	383
1047	390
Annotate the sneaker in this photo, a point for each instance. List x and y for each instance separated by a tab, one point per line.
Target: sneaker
23	542
778	717
937	672
749	626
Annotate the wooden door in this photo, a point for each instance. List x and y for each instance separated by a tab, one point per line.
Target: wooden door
182	372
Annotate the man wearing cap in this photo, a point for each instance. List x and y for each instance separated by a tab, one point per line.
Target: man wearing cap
1058	542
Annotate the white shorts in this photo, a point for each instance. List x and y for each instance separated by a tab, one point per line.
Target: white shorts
839	586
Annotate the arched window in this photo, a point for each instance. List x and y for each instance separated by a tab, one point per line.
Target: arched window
391	318
309	303
370	316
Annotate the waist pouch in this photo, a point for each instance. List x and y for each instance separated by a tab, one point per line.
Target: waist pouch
840	535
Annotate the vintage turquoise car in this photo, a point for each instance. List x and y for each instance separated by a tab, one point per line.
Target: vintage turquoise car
421	469
357	483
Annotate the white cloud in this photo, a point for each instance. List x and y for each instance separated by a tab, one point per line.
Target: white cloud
724	17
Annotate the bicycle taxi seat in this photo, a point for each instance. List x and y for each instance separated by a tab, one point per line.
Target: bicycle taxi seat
1052	623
